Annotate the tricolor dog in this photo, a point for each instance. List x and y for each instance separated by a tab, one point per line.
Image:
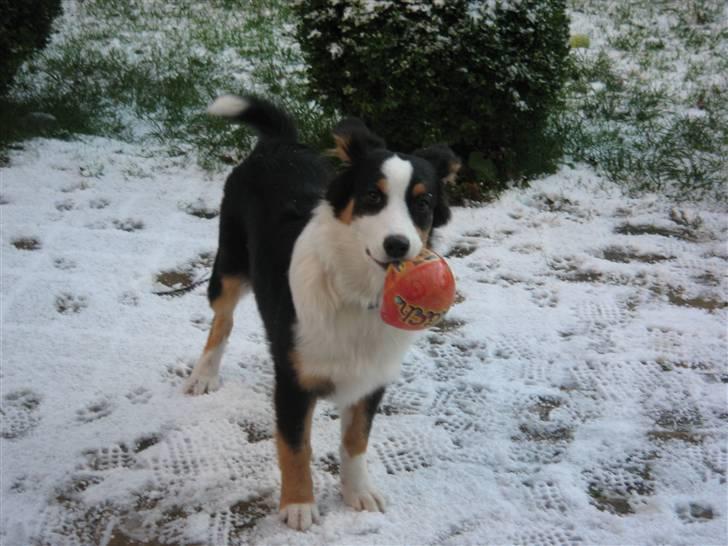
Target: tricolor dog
313	245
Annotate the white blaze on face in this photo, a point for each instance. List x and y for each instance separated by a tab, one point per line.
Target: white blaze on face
394	218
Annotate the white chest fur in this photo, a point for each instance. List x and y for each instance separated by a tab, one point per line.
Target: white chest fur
339	338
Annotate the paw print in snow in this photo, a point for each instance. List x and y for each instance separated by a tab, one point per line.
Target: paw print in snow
69	304
199	209
175	373
94	411
544	297
140	395
99	203
129	225
129	298
65	205
64	264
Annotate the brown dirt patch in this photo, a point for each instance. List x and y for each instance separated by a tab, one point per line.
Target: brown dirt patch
26	243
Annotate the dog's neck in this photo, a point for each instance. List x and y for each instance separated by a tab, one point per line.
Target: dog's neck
352	278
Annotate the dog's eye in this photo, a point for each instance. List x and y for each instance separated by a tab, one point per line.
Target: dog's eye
423	202
374	197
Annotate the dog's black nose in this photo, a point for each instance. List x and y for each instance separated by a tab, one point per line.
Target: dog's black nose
396	246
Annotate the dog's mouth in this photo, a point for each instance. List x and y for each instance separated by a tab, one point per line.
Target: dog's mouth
383	265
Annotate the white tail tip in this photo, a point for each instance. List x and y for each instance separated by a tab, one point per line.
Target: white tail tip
228	106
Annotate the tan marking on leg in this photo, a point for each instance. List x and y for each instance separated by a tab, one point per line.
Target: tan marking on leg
224	306
356	436
347	213
295	465
319	385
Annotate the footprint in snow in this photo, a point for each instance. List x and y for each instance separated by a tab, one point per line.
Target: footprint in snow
78	186
329	463
255	432
129	298
545	297
199	209
695	512
64	264
130	225
140	395
99	203
94	411
120	455
70	304
201	322
65	205
19	413
461	250
176	373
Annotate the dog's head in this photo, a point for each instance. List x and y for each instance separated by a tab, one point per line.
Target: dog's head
390	201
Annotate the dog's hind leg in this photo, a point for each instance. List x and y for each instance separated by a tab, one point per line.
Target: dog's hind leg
294	413
224	291
356	422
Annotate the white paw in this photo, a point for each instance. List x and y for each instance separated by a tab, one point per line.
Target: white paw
202	382
365	498
300	516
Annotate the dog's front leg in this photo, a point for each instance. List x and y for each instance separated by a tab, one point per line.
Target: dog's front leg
294	413
356	422
205	376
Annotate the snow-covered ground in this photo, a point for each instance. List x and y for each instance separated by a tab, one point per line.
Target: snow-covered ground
576	393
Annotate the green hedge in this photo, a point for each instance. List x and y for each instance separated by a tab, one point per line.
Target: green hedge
483	76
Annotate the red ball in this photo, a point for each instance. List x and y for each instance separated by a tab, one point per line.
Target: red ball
418	292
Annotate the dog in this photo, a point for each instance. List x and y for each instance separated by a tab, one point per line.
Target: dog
313	244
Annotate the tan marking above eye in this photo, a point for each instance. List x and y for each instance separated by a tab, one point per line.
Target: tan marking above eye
383	185
419	189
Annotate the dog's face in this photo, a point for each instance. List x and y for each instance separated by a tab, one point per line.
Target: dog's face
390	202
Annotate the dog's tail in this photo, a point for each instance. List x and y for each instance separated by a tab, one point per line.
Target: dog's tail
268	120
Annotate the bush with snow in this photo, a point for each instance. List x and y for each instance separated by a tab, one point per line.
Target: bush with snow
24	27
482	75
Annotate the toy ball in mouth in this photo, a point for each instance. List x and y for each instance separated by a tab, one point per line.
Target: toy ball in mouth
418	292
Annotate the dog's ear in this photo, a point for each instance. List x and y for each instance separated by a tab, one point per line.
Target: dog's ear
441	213
443	159
446	165
353	140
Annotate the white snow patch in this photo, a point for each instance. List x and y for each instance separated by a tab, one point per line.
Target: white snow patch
576	393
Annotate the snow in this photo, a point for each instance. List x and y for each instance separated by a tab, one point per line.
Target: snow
576	394
681	71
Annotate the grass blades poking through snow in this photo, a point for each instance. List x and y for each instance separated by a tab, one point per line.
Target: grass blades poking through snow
142	69
649	100
647	104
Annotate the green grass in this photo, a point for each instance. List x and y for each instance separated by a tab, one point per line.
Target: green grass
646	109
136	70
643	104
